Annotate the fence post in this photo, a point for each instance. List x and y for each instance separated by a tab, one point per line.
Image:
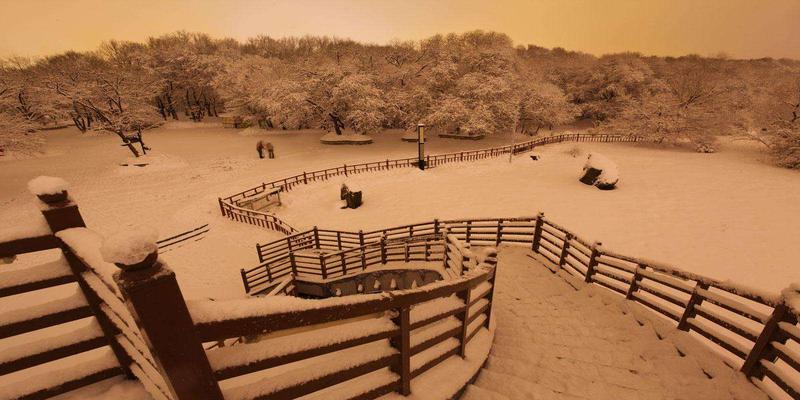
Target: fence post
762	348
345	170
537	233
244	281
322	268
316	238
469	228
360	238
293	263
445	251
344	263
402	343
592	261
154	298
694	301
499	231
221	207
435	226
383	249
635	281
491	259
464	295
563	258
63	214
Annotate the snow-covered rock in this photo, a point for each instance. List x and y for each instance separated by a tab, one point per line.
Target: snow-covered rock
130	245
600	171
44	185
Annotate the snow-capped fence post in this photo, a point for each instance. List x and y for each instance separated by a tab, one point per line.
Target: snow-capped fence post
564	250
499	232
152	295
305	179
592	261
537	233
402	343
316	238
694	300
221	206
763	350
360	238
435	226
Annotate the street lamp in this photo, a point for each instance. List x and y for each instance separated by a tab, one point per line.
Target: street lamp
421	146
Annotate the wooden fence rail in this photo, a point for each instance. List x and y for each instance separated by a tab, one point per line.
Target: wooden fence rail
231	206
752	327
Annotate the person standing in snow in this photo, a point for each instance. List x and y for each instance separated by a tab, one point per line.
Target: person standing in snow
260	148
270	150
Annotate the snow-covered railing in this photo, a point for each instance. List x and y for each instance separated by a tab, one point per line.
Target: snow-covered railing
231	206
276	263
67	349
349	338
758	332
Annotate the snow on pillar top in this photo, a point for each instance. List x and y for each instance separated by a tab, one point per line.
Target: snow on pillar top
49	189
131	248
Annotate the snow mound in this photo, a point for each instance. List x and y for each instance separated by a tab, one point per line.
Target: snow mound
130	245
43	185
345	138
609	172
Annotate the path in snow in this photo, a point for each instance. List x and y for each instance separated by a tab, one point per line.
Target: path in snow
553	342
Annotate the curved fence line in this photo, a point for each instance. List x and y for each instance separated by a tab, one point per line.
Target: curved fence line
231	206
752	327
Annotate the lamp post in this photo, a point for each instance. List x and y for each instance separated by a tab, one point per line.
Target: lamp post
421	146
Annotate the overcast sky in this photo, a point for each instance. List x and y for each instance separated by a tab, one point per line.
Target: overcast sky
740	28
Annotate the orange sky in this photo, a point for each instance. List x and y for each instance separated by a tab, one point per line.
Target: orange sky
740	28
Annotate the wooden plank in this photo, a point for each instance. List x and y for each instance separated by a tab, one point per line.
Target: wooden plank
28	245
233	371
44	321
52	354
72	385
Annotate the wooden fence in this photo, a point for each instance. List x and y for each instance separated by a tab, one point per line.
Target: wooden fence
757	331
231	206
183	351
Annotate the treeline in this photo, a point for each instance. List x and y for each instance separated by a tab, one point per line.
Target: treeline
476	83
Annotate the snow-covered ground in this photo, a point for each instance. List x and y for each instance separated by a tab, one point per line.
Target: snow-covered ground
727	215
723	215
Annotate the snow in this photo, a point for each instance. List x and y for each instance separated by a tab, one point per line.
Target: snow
129	245
610	171
74	300
244	354
53	269
86	244
103	359
47	185
343	359
84	333
33	227
345	138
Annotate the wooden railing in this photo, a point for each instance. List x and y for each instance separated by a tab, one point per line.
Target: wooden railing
83	303
141	316
283	257
231	206
753	328
408	331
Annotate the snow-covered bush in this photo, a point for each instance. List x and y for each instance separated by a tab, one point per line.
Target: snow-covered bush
609	172
130	245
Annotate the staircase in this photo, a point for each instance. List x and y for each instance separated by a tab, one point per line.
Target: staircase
555	342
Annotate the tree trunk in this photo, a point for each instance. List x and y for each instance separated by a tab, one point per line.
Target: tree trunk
127	143
337	123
